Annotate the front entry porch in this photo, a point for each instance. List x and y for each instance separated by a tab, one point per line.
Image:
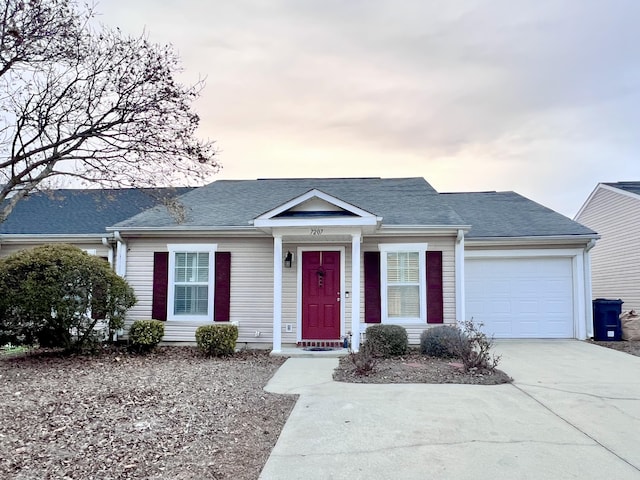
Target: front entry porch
327	300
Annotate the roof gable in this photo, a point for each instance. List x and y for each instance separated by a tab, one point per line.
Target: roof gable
238	203
312	206
629	189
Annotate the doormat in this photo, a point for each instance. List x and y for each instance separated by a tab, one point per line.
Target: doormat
319	349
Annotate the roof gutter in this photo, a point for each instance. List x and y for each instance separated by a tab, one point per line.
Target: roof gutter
548	239
42	238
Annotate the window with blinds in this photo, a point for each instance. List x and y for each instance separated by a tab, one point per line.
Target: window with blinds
403	284
191	283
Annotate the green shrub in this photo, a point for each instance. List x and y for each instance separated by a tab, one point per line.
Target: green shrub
55	295
145	335
440	341
217	340
387	340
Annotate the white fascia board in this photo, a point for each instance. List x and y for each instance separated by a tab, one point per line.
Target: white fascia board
311	194
619	190
422	229
182	230
542	240
587	201
523	253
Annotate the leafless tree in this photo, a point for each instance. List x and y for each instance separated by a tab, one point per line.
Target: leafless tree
90	103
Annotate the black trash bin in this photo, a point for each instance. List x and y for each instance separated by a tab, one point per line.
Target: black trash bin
606	319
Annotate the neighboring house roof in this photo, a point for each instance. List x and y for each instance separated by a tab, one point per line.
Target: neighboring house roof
631	187
236	203
507	214
80	212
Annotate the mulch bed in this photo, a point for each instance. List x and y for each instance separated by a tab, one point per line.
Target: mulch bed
417	368
631	347
172	414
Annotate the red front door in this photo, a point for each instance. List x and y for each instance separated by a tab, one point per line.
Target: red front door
320	295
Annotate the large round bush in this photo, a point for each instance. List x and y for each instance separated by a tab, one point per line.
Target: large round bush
386	340
441	341
55	294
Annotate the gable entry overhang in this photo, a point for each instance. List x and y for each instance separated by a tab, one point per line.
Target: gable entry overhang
320	218
316	208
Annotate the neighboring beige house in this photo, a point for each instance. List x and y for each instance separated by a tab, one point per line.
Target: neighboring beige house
613	210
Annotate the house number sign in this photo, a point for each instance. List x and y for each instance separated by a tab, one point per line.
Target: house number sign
316	231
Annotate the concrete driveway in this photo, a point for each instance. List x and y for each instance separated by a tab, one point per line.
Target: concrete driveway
572	412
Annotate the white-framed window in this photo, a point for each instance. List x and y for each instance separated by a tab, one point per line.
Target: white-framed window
403	282
191	281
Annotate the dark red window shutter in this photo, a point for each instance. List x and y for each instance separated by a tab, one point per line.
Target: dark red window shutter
222	287
435	303
372	305
160	285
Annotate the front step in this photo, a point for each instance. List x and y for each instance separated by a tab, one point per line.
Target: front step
321	343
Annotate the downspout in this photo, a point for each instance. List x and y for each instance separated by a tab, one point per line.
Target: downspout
121	255
588	293
106	243
460	296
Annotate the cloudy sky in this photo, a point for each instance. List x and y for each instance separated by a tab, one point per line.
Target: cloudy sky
537	96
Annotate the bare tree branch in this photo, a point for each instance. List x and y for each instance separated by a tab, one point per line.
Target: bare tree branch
94	105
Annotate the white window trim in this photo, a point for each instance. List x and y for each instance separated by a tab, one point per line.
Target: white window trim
421	248
211	248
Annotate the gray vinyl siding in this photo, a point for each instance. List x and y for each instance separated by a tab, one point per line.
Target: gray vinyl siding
615	260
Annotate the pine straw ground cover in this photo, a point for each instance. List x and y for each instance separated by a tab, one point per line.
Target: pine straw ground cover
170	415
631	347
415	367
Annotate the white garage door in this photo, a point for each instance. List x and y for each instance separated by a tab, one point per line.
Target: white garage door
521	297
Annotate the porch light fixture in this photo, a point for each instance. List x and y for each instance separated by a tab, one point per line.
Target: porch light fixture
288	260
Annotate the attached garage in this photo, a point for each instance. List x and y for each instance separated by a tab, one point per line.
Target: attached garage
523	296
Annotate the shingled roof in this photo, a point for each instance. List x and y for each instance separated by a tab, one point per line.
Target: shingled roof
236	203
80	212
508	214
632	187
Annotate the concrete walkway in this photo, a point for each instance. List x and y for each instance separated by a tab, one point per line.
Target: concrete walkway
572	412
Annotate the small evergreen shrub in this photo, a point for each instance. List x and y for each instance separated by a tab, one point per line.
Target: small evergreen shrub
217	340
440	341
387	340
145	335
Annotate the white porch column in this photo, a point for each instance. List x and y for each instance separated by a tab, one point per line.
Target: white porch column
277	293
355	291
460	300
